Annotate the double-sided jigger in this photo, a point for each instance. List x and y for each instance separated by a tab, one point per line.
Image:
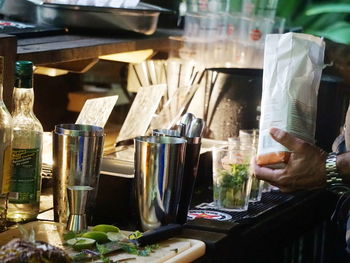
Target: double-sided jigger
77	197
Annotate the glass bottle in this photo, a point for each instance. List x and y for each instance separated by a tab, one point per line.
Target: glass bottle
5	152
26	148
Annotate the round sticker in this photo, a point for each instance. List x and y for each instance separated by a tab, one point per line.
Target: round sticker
208	214
255	34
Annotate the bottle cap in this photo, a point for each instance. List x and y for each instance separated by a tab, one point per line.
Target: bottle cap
24	68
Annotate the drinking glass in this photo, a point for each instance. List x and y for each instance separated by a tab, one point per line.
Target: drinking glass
250	138
232	177
278	26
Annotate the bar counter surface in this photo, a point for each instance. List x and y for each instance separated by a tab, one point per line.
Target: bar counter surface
292	229
280	228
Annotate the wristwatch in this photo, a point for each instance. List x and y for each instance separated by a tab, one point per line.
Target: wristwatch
332	172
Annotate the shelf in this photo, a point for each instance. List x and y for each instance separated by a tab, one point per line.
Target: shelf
71	47
73	50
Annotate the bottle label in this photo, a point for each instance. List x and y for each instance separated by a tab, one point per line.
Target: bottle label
5	168
5	159
26	178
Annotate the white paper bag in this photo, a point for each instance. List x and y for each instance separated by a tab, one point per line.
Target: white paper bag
292	71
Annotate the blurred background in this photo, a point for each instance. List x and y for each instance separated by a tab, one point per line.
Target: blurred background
329	19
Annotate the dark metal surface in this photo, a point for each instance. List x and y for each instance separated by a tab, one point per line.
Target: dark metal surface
234	101
190	173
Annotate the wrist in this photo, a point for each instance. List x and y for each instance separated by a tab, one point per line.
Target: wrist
335	173
343	166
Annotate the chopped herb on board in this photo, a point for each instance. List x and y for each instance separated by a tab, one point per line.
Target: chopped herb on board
139	251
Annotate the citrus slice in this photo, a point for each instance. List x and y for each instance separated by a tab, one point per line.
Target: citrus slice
105	228
79	243
99	236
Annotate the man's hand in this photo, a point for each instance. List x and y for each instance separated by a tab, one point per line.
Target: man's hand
304	170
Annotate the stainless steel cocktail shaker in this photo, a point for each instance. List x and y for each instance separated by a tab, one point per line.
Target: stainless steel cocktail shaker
159	164
77	154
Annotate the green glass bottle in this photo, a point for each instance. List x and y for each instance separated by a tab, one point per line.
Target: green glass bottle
5	152
26	148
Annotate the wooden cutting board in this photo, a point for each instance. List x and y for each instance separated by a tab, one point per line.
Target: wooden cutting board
180	250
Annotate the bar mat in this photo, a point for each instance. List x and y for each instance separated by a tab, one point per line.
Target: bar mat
268	202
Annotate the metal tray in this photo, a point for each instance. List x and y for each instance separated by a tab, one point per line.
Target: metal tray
141	19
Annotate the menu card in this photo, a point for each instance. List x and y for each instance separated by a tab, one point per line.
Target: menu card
141	112
97	111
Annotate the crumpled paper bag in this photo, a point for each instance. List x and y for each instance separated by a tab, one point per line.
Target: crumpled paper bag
293	65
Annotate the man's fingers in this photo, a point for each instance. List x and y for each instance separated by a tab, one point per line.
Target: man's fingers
273	177
289	141
267	174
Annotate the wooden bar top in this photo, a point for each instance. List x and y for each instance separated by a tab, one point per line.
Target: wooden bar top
70	47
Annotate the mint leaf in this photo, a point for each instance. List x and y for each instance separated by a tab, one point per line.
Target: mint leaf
103	250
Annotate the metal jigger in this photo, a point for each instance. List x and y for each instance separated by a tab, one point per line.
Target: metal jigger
77	196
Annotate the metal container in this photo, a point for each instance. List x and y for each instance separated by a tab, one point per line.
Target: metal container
189	178
166	132
190	171
77	198
77	154
159	164
141	19
234	102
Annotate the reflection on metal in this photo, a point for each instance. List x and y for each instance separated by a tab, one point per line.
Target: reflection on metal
141	19
62	68
159	164
77	197
51	72
233	100
130	57
77	154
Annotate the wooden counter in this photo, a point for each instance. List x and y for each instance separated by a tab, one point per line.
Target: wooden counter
70	47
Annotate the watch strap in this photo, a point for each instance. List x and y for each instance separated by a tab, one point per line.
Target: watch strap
332	172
